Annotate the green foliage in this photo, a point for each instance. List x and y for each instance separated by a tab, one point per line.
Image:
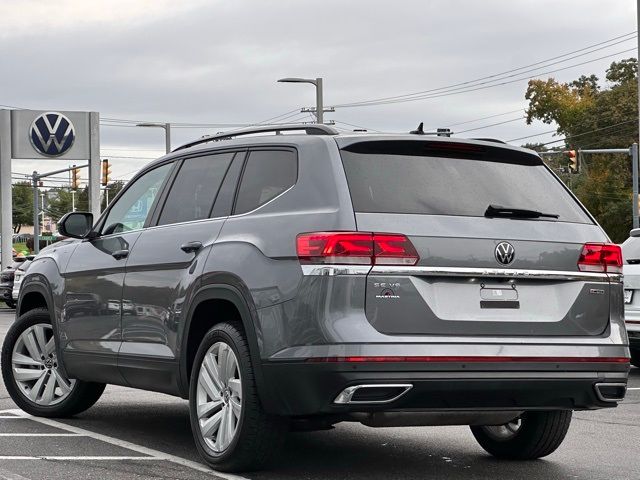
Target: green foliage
113	189
22	198
60	202
589	115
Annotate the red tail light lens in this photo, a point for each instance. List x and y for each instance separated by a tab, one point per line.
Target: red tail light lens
600	257
359	248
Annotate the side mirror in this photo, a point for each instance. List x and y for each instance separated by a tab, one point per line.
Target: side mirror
75	224
635	232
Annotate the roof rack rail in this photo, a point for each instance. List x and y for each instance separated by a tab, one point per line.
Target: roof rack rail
316	129
496	140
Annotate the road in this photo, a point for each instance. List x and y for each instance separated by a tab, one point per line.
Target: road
131	434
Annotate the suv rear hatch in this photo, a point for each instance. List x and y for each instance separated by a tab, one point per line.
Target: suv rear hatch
483	269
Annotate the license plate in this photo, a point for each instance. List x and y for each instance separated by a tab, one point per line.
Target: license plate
628	295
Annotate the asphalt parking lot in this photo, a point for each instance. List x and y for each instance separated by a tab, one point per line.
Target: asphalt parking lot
131	434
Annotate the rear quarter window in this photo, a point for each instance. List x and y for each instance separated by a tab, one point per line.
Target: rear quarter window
411	177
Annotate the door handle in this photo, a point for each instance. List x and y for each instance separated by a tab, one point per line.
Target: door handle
120	254
191	247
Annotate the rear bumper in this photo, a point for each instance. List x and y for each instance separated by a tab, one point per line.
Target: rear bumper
303	388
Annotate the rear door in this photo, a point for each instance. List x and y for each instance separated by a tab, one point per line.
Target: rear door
477	274
165	263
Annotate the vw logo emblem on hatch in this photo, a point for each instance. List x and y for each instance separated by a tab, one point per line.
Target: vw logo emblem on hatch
505	253
52	134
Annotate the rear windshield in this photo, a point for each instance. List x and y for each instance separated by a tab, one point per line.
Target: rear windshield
438	178
631	249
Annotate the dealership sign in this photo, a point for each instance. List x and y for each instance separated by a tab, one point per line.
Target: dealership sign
52	134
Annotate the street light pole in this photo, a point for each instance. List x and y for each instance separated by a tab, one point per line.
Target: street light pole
167	132
319	94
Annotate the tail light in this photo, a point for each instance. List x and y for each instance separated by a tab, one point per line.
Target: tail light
356	248
600	257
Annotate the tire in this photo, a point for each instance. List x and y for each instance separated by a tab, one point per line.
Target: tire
10	303
538	434
257	436
77	396
635	358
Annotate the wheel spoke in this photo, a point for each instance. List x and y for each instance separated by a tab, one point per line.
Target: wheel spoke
205	409
20	359
230	366
222	363
236	406
210	426
41	338
236	386
49	389
214	372
35	390
31	344
229	425
65	387
27	374
221	439
50	347
205	380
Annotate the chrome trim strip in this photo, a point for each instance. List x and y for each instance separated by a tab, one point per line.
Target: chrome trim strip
333	270
347	394
605	399
492	272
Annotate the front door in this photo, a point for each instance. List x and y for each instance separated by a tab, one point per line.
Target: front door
90	329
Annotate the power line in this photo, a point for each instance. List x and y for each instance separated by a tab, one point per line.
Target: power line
483	85
590	131
501	74
491	125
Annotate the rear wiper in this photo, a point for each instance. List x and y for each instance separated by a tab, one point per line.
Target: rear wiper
506	212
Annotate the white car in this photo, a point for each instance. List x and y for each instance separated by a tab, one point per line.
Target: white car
18	276
631	270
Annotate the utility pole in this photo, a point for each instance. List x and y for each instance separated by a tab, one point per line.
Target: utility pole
73	200
319	94
635	147
42	209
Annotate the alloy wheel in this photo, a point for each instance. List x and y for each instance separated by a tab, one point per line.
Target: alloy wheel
504	432
219	397
35	367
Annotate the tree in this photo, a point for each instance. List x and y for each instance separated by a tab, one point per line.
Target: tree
22	198
590	116
113	189
60	201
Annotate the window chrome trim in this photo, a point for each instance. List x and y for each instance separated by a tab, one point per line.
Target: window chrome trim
333	270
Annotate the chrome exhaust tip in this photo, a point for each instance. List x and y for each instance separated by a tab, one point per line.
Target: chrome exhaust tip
610	392
372	394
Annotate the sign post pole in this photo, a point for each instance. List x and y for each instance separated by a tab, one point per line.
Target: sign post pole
94	164
6	211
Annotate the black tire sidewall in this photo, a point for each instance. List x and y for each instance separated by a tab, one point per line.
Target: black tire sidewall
228	334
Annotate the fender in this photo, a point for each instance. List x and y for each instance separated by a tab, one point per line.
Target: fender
220	291
38	284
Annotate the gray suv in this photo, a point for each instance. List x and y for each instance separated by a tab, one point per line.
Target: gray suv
306	278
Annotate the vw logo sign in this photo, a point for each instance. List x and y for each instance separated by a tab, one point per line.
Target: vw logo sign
505	253
52	134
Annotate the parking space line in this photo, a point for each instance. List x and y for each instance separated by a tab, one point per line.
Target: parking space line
40	435
157	454
63	457
633	388
11	417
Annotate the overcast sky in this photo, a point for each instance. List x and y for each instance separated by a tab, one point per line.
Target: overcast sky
217	62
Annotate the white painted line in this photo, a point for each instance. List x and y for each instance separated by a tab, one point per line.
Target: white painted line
41	435
129	446
61	457
11	417
633	388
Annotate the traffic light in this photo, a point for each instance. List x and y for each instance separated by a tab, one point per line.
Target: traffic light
106	171
75	178
574	161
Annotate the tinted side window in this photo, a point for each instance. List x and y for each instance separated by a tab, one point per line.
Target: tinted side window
131	210
195	188
266	175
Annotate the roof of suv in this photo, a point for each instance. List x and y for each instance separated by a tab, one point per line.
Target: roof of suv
304	133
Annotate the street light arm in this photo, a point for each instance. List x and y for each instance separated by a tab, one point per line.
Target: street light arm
297	80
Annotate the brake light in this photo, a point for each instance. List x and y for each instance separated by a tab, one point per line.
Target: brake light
600	257
356	248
